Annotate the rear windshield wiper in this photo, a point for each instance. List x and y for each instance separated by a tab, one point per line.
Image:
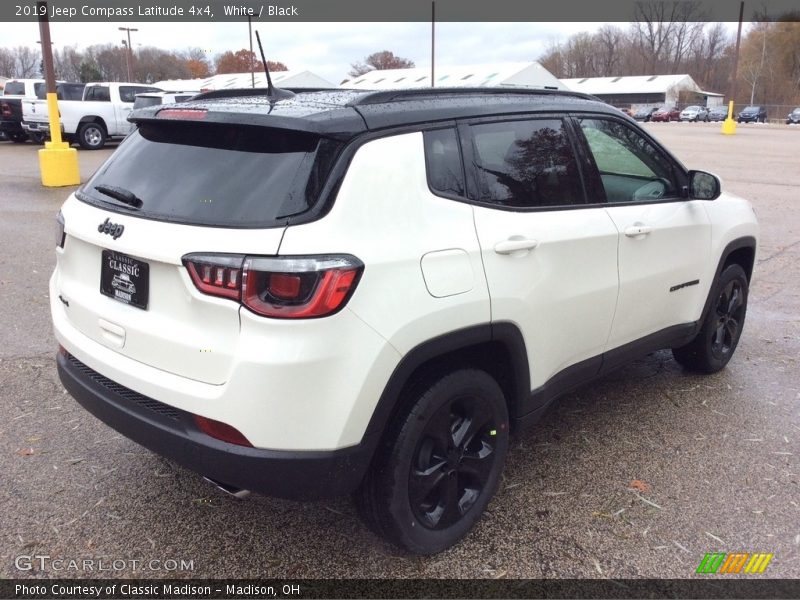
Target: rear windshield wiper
120	194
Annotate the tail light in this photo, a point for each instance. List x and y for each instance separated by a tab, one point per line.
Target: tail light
286	287
5	109
191	114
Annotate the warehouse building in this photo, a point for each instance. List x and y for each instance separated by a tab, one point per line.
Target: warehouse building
645	90
286	79
524	74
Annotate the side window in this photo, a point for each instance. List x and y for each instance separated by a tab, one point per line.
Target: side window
128	93
631	168
98	93
525	164
443	161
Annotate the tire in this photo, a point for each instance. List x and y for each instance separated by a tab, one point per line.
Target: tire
18	138
91	136
436	472
38	138
719	335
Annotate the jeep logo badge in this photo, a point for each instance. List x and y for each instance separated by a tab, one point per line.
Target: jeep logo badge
113	229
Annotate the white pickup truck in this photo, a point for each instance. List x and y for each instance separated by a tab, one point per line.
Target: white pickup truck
100	115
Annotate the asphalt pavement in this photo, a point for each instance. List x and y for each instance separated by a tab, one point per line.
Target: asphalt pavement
638	474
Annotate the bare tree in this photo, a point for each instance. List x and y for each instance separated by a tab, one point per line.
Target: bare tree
27	61
67	63
380	61
7	63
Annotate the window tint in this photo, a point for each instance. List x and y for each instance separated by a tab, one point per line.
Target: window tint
40	90
14	88
142	101
632	169
525	164
70	91
217	174
127	93
443	160
98	93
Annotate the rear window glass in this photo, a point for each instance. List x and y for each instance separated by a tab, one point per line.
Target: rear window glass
14	88
143	101
127	93
443	158
208	174
64	91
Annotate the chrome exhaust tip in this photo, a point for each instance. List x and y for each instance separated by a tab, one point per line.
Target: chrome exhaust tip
229	489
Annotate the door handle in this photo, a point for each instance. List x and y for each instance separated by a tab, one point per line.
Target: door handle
514	245
636	230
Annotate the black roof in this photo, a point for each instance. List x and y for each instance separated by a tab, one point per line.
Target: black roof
345	113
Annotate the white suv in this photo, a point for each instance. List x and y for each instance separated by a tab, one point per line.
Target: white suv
364	292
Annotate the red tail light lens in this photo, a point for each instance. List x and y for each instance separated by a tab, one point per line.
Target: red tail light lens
216	274
299	287
221	431
287	287
5	109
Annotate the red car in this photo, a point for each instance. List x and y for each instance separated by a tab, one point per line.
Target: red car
665	113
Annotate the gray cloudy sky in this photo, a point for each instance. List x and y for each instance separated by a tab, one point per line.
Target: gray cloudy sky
324	48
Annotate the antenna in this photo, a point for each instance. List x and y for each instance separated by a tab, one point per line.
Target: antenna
273	94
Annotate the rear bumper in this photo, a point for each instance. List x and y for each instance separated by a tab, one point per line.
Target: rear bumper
11	126
170	432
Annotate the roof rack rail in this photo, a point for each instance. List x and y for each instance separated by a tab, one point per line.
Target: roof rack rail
383	96
245	92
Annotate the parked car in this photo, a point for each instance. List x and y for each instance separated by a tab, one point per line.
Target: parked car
35	108
14	92
753	114
694	113
718	113
644	114
666	113
157	98
365	292
794	117
100	115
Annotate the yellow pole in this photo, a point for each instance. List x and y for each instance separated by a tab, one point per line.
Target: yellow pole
58	162
729	125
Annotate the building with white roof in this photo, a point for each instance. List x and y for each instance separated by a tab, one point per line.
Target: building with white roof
523	74
645	90
286	79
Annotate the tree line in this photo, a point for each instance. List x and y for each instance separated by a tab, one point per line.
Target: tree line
668	44
109	62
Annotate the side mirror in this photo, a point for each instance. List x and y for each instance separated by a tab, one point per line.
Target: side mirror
703	186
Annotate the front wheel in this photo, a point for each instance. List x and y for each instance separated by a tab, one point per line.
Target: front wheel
91	136
719	335
434	476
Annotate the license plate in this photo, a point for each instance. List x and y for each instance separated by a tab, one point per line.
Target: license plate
124	279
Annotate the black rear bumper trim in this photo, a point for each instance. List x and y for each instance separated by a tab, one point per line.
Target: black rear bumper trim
170	432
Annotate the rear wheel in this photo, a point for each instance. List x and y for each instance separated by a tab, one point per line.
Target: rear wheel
716	342
38	138
18	138
91	136
434	477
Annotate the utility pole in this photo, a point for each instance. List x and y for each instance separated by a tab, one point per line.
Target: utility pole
129	53
250	57
729	125
58	162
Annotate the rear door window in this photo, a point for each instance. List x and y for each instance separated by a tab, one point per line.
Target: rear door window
525	164
208	174
98	93
14	88
127	93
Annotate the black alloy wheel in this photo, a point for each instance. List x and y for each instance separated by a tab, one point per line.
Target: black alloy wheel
715	343
440	464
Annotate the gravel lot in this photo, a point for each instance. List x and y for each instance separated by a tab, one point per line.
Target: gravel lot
718	457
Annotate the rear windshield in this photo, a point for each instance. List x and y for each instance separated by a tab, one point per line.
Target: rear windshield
220	175
14	88
64	91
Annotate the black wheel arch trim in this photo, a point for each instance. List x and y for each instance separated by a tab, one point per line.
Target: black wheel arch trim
747	242
505	334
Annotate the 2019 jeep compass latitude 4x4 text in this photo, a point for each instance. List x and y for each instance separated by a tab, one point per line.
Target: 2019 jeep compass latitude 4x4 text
365	292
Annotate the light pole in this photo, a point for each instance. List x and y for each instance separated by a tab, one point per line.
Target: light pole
129	53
